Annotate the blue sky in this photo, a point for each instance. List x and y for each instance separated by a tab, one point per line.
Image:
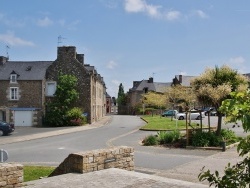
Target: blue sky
131	40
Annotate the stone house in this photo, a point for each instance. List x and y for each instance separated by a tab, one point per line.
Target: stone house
25	86
134	95
182	80
108	103
111	105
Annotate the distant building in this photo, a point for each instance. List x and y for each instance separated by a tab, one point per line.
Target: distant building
108	103
247	75
134	95
182	80
114	106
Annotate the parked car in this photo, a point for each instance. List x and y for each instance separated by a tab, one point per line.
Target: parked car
194	115
213	113
6	128
169	113
207	110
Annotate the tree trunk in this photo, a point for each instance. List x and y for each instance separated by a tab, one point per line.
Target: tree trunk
218	131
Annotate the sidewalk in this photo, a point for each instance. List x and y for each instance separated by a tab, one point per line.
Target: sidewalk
190	171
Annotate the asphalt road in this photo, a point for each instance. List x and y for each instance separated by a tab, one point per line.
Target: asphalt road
122	130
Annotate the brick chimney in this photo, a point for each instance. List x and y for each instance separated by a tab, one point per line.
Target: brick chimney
80	58
151	80
180	79
65	52
3	60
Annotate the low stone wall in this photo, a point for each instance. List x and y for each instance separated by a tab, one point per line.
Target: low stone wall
11	175
118	157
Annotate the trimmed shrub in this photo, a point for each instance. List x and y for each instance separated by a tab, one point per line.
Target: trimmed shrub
150	140
167	137
205	139
161	137
75	117
229	136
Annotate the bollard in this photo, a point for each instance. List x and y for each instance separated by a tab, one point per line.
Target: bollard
223	146
3	155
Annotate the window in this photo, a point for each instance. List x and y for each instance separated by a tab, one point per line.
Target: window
14	93
50	88
13	78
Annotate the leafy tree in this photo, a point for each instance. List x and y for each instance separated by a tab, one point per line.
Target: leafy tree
179	95
121	99
62	102
215	85
154	99
238	175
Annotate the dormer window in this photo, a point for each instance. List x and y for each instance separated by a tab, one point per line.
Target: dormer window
13	78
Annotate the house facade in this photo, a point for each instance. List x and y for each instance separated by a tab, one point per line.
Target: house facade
26	86
108	103
134	95
22	94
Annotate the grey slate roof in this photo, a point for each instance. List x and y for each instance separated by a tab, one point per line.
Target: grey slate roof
161	87
186	80
26	70
155	86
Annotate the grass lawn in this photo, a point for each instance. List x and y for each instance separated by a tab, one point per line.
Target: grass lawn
163	123
35	172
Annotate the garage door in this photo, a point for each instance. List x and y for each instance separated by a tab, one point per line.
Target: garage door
23	118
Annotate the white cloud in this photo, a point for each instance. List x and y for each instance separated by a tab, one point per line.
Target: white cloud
136	6
182	72
155	11
10	39
116	82
172	15
69	25
236	60
11	22
72	25
110	3
44	22
200	14
237	63
111	64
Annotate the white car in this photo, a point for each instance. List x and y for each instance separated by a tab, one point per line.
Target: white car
194	115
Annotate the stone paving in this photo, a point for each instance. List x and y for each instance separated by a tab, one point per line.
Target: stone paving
111	178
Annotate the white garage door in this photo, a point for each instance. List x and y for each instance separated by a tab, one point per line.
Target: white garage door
23	118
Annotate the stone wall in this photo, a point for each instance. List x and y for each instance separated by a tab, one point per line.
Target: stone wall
118	157
11	175
30	94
